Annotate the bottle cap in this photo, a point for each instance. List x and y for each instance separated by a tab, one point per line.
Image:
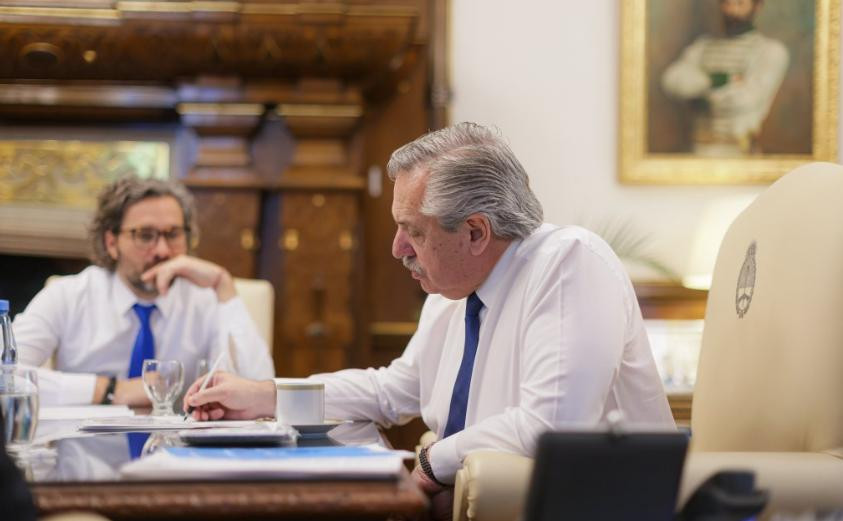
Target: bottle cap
4	306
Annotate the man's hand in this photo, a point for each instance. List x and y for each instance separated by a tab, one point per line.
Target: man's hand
200	272
126	392
231	397
130	392
427	485
441	498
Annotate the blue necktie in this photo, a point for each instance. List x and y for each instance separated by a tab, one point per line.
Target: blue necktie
459	398
144	343
136	442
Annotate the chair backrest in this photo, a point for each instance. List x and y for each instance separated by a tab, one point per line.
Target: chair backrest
770	375
259	297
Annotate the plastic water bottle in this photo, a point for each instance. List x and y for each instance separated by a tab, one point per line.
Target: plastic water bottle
18	390
10	348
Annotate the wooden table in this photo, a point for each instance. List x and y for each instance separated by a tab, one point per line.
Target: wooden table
289	499
243	500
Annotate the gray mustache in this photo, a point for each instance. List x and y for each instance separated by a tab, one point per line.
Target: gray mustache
411	264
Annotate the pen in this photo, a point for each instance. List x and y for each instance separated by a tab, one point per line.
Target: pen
207	379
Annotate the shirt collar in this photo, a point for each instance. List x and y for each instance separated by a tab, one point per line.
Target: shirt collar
491	291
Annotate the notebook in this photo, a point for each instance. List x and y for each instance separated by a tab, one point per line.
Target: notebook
606	476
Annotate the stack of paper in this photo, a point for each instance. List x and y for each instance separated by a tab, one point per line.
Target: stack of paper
81	412
361	462
156	423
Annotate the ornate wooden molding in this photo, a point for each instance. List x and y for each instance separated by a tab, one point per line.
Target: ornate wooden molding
137	41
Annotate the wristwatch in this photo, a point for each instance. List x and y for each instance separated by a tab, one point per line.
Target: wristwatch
424	463
108	397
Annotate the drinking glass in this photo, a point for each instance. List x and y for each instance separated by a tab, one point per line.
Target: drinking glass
162	381
158	441
202	367
19	405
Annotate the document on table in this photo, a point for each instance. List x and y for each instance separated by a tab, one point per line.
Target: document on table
81	412
156	423
360	462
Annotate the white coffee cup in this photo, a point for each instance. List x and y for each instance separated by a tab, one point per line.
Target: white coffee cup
299	401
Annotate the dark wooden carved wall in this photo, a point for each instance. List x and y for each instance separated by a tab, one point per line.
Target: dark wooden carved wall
280	116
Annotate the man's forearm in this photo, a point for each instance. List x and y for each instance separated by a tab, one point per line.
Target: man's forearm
99	389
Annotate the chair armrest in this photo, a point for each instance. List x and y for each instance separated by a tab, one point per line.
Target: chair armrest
796	481
491	486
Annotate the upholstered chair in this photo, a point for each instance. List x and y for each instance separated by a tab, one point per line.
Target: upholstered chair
259	297
769	392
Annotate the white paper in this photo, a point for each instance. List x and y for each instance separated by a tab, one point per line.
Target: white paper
82	412
182	463
156	423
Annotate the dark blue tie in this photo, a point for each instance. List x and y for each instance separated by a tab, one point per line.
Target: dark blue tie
136	442
459	398
144	343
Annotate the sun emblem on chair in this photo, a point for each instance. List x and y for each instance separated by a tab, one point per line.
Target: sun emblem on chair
746	282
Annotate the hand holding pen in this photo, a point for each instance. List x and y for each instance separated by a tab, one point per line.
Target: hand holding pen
206	381
231	397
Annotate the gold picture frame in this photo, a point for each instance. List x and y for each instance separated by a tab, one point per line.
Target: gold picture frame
652	153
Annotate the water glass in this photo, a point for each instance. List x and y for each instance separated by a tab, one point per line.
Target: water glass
202	367
19	405
162	381
158	441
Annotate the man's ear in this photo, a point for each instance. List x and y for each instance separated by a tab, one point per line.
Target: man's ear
480	233
111	244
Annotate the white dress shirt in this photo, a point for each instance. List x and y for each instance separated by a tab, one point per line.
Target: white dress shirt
562	343
87	321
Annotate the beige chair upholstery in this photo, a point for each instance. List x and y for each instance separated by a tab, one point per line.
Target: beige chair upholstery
492	486
259	297
769	392
75	516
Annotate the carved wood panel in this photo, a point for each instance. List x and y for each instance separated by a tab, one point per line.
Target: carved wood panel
228	224
318	238
136	40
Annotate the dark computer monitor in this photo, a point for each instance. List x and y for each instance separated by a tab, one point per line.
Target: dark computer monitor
598	476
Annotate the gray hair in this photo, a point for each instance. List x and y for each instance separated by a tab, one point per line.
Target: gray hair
471	170
117	197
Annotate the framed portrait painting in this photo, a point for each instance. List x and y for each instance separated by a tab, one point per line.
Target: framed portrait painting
726	91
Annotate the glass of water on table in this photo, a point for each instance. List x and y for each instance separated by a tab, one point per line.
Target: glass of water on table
162	381
19	405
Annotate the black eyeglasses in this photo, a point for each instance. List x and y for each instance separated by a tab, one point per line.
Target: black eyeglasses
146	238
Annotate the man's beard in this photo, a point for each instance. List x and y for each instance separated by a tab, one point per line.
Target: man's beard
144	287
737	26
135	280
411	264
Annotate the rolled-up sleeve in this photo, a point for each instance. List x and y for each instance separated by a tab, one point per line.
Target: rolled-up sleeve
37	332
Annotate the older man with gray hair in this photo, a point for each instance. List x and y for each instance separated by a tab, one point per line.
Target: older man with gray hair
528	326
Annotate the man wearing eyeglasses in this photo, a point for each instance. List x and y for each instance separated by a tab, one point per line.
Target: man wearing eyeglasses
146	297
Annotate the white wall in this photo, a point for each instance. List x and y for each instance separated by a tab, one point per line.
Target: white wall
546	73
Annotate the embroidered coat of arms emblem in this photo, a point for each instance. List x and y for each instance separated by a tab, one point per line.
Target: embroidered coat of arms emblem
746	282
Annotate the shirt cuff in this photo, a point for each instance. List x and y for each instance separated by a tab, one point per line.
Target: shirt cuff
444	460
58	388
